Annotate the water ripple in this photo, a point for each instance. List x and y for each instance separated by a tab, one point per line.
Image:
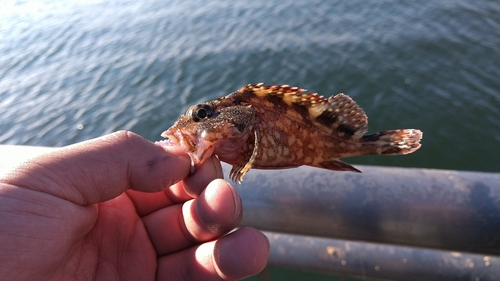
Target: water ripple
73	70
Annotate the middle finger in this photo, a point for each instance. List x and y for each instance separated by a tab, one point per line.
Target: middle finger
215	212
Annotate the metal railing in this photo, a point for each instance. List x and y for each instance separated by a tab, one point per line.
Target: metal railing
391	223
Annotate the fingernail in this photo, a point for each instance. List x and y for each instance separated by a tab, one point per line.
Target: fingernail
218	167
238	210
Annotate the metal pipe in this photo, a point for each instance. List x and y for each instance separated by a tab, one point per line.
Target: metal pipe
448	210
379	261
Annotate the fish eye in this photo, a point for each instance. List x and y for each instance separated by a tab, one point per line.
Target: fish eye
200	112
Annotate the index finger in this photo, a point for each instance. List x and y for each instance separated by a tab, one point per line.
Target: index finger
101	169
188	188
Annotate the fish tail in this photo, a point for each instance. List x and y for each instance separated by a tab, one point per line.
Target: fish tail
392	142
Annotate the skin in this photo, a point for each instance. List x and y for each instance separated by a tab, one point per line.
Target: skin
122	208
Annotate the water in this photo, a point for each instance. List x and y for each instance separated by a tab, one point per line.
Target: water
75	70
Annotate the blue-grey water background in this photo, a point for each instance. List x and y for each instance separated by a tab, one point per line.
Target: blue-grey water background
75	70
71	70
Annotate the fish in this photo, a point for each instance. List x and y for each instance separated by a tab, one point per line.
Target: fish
278	126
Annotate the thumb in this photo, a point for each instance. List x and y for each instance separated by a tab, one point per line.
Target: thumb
101	169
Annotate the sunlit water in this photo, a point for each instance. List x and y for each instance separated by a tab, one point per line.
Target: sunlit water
75	70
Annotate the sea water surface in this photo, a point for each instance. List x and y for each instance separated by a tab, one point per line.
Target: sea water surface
74	70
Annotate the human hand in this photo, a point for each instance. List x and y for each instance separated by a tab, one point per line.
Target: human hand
83	213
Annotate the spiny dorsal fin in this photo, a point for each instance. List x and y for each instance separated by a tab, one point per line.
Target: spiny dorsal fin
290	95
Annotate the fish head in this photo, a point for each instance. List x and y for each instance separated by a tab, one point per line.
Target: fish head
209	128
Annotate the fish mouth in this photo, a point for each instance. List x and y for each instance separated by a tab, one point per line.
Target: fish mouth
170	134
197	148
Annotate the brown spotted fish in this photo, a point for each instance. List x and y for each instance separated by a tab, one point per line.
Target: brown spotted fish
272	127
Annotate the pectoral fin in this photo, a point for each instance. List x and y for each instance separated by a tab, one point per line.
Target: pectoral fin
239	170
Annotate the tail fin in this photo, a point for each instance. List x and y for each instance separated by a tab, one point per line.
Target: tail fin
392	142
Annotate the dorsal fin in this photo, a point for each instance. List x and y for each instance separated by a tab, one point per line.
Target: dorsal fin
290	95
343	114
338	112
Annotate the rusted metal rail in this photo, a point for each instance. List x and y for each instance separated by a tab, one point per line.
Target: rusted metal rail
391	223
